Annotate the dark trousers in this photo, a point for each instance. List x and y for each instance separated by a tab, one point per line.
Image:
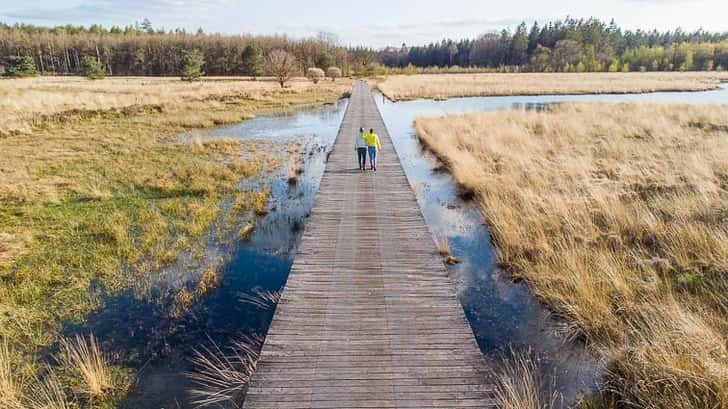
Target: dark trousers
362	153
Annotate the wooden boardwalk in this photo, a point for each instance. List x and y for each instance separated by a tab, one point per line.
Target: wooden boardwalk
368	318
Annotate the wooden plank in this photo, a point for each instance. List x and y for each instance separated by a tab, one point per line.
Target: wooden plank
368	318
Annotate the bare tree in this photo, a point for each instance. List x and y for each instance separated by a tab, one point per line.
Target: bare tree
281	64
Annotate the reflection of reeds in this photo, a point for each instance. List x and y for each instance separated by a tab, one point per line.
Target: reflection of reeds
261	298
519	386
209	281
222	377
443	244
11	389
86	357
295	169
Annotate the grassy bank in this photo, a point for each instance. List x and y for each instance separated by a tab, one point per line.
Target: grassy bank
616	217
439	86
96	194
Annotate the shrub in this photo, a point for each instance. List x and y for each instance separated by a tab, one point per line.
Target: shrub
192	65
23	66
333	73
315	74
91	68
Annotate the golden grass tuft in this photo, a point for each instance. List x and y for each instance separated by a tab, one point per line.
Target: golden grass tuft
616	217
518	384
93	365
441	86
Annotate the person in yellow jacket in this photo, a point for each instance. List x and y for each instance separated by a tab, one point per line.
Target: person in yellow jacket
373	145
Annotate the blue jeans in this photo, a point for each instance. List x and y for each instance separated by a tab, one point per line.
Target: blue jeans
362	153
373	156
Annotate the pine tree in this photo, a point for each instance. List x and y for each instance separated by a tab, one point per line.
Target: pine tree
23	66
252	61
192	65
91	68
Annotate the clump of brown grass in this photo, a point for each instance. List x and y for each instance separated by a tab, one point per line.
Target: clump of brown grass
93	365
519	385
616	216
441	86
222	377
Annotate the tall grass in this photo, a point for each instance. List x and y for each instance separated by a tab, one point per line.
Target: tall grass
92	364
11	388
222	377
616	217
439	86
48	393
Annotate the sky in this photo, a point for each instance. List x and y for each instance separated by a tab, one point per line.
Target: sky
374	23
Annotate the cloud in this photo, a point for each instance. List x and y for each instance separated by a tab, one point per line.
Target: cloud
91	11
379	35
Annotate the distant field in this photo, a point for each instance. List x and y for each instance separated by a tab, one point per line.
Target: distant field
441	86
28	102
617	216
94	193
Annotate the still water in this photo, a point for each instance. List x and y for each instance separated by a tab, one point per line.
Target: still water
502	314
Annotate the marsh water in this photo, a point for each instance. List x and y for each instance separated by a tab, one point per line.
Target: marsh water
503	314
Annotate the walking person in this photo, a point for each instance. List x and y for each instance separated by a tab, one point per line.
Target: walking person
360	146
373	146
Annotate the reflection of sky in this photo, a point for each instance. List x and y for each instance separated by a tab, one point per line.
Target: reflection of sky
295	125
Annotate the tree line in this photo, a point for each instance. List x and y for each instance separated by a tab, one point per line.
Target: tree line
569	45
142	50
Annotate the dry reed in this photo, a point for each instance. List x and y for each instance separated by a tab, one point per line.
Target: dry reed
48	393
11	388
93	365
616	216
439	86
222	377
